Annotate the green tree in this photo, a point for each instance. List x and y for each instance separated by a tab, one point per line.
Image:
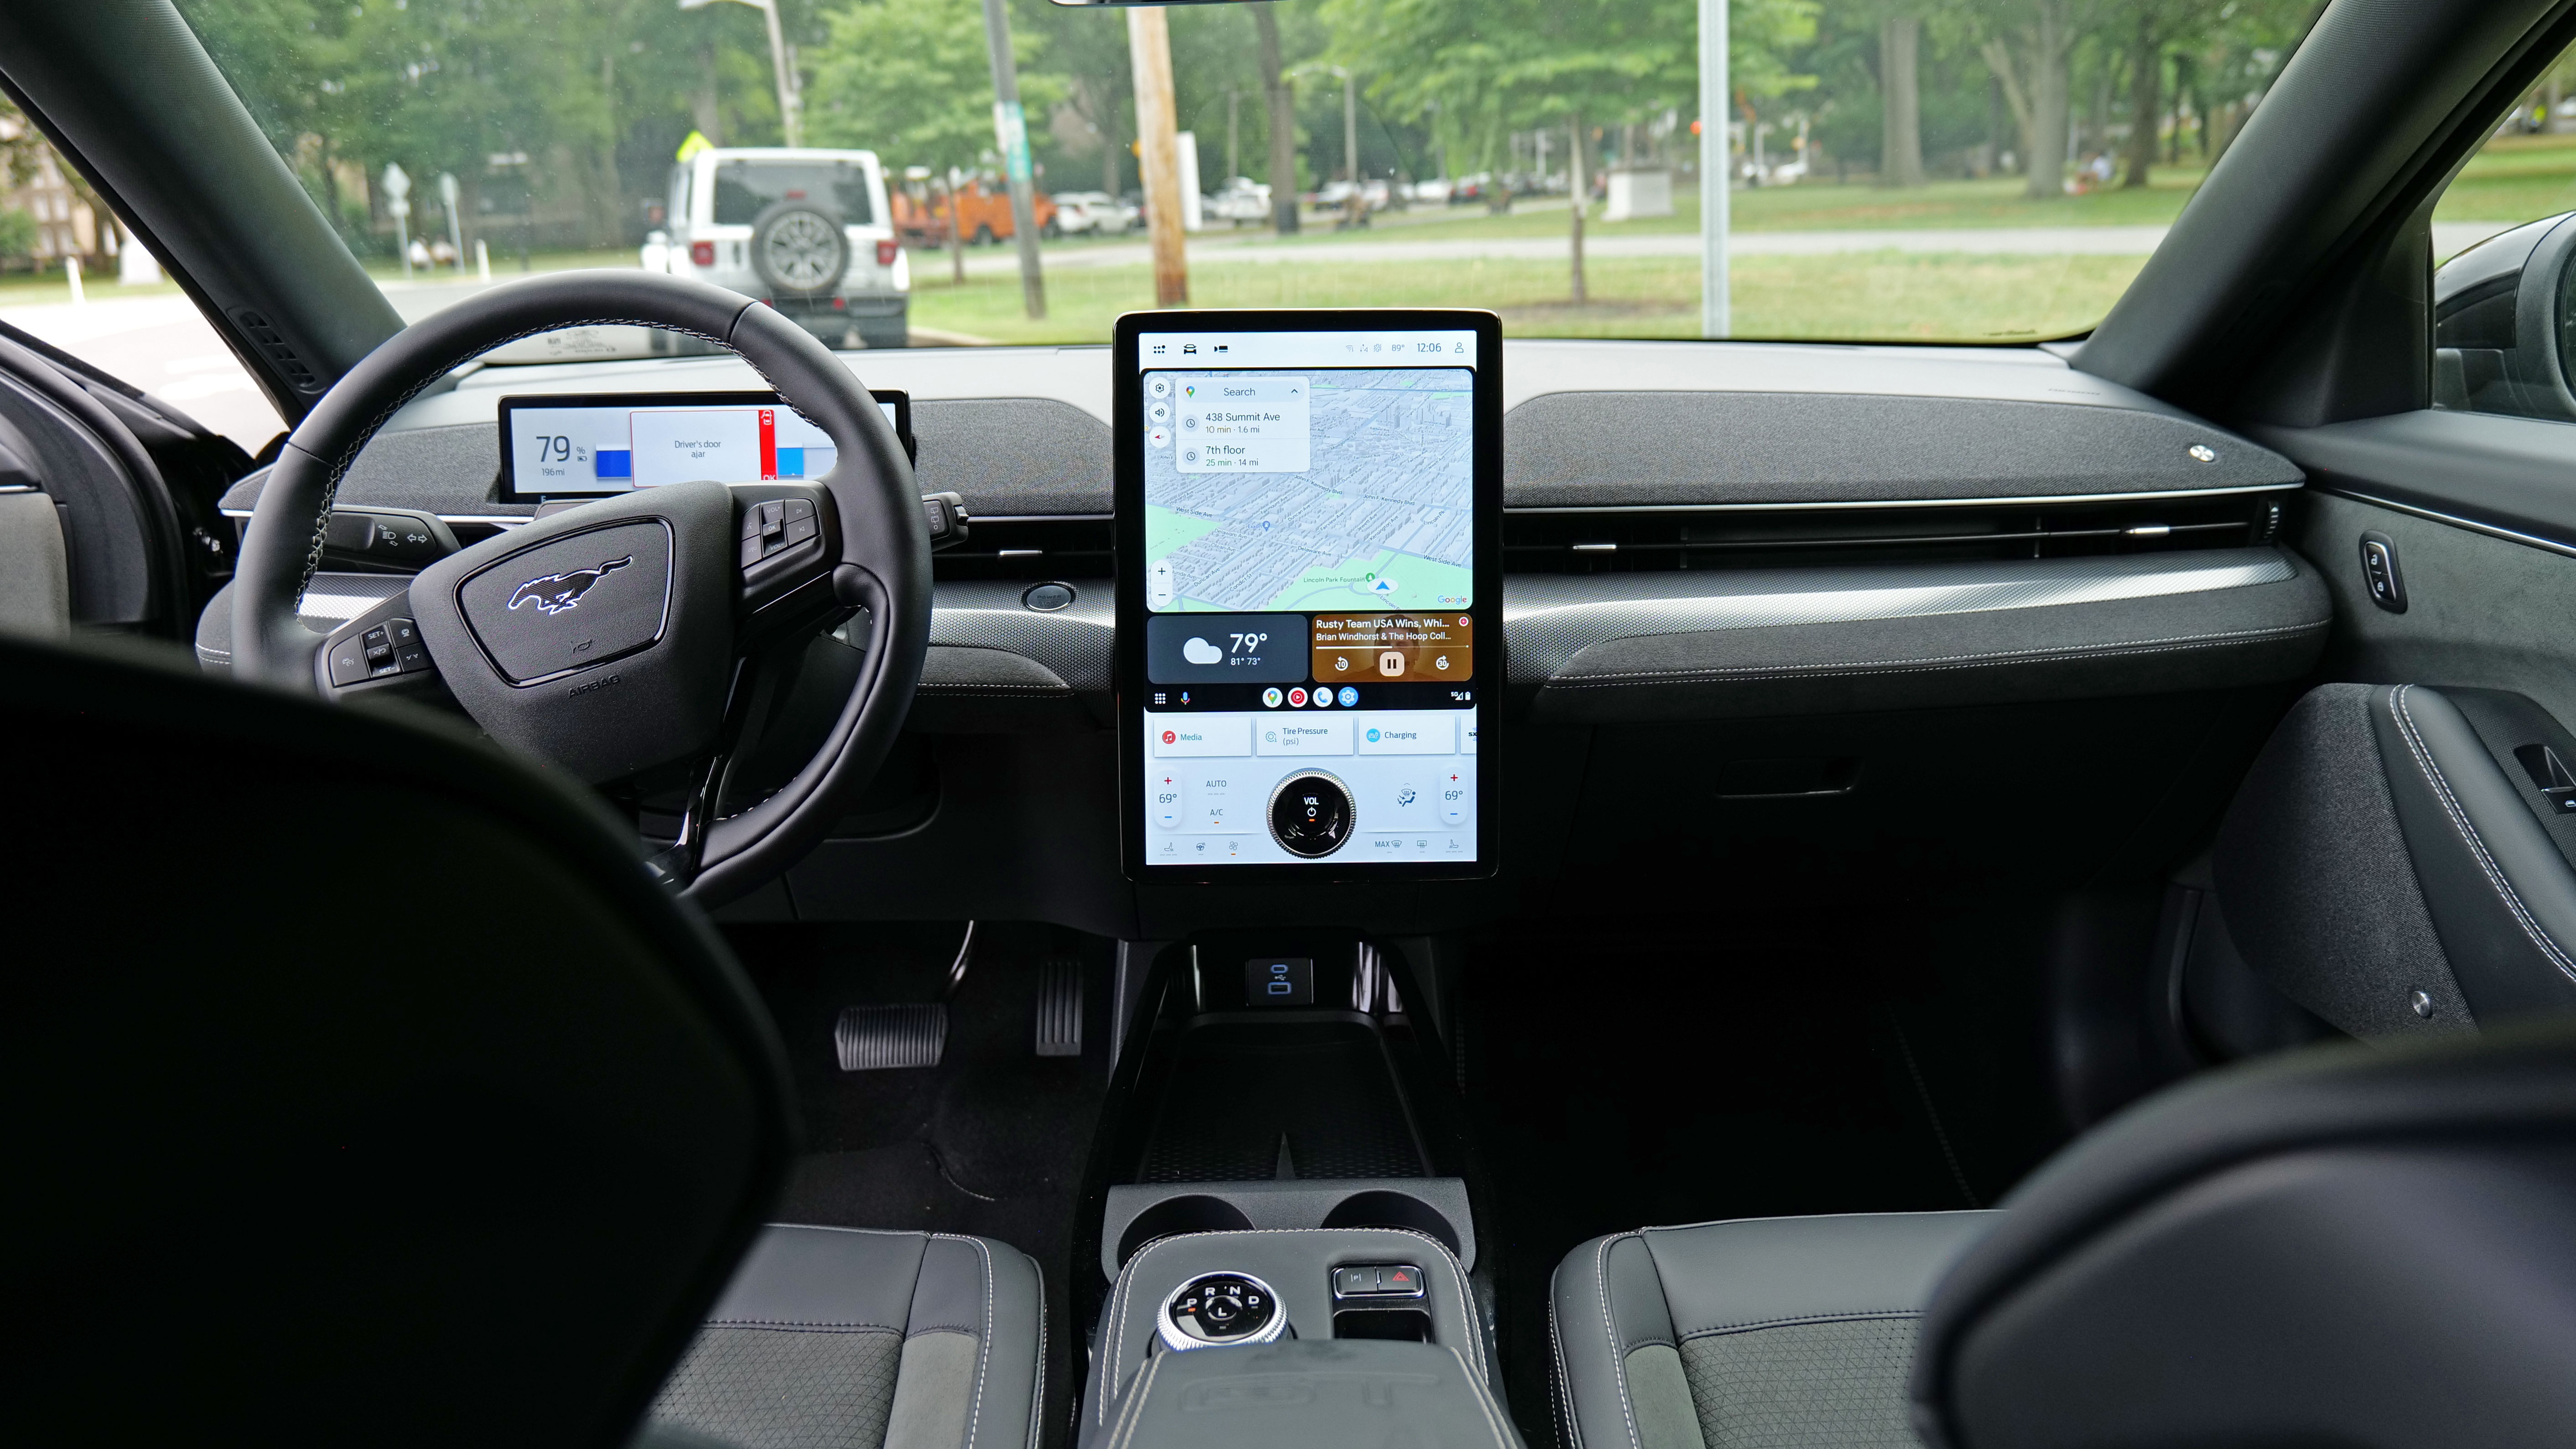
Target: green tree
912	81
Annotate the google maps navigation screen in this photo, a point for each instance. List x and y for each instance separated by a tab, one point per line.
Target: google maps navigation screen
1311	660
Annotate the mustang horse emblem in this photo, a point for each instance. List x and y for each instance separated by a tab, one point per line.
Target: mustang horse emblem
555	593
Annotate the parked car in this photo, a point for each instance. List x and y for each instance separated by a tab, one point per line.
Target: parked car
1092	213
1374	195
807	231
1239	200
1437	190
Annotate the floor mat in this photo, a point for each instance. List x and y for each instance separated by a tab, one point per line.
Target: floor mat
992	1141
1750	1080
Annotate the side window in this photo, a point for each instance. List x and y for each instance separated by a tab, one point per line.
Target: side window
2504	248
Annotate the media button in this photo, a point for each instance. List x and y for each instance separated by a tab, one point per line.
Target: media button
1183	735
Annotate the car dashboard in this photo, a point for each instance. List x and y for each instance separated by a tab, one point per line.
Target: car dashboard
1842	596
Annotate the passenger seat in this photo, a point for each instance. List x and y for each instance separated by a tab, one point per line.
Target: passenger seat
1764	1331
2347	1245
838	1338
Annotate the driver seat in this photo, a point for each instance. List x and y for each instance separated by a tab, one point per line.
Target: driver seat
362	1087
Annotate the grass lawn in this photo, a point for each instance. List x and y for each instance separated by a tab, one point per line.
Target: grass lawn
1852	297
1814	206
2513	178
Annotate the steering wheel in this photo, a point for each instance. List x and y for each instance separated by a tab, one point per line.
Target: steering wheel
623	636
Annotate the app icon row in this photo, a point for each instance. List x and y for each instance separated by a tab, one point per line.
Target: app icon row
1321	698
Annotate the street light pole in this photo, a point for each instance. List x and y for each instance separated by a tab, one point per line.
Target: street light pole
1716	159
1011	132
790	102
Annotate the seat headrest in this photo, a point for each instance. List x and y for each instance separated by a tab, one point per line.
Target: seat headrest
2351	1245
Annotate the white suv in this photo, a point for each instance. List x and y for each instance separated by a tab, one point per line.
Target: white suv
806	231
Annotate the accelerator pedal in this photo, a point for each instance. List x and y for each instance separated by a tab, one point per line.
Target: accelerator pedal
1060	1007
881	1038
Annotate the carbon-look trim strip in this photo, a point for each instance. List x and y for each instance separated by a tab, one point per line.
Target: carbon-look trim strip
1074	641
1549	620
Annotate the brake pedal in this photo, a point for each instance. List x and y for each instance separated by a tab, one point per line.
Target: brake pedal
880	1038
1060	1007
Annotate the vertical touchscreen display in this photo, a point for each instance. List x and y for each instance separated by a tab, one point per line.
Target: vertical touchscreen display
1312	667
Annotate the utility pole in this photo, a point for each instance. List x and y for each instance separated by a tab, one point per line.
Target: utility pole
1350	127
1575	192
1233	133
1283	123
790	100
1149	54
1011	134
1716	159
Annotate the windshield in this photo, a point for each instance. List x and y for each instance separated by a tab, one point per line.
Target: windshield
1958	171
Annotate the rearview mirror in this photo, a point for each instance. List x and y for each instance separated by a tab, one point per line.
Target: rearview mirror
2504	324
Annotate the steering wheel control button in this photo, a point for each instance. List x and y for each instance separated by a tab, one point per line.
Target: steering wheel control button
1311	813
348	661
1048	598
1220	1309
1279	981
776	526
1377	1280
572	602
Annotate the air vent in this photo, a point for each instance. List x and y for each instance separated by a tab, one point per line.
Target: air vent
273	343
1642	540
1033	548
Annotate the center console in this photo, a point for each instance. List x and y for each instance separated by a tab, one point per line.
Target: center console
1363	1301
1281	1185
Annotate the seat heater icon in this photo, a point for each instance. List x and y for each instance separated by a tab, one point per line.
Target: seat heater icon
556	593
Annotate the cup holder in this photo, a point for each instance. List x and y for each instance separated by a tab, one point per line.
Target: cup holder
1392	1210
1197	1213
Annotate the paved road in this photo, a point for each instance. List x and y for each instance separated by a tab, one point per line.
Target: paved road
161	344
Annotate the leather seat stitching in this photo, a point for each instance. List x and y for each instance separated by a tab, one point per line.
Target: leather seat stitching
1484	1401
984	1353
2469	835
792	1325
1610	1330
1991	659
1562	1386
1869	1315
1115	1363
1037	1391
1136	1405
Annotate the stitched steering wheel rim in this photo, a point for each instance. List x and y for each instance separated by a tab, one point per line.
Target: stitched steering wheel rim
883	564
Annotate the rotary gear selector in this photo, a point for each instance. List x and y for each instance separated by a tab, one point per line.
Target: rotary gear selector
1218	1309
